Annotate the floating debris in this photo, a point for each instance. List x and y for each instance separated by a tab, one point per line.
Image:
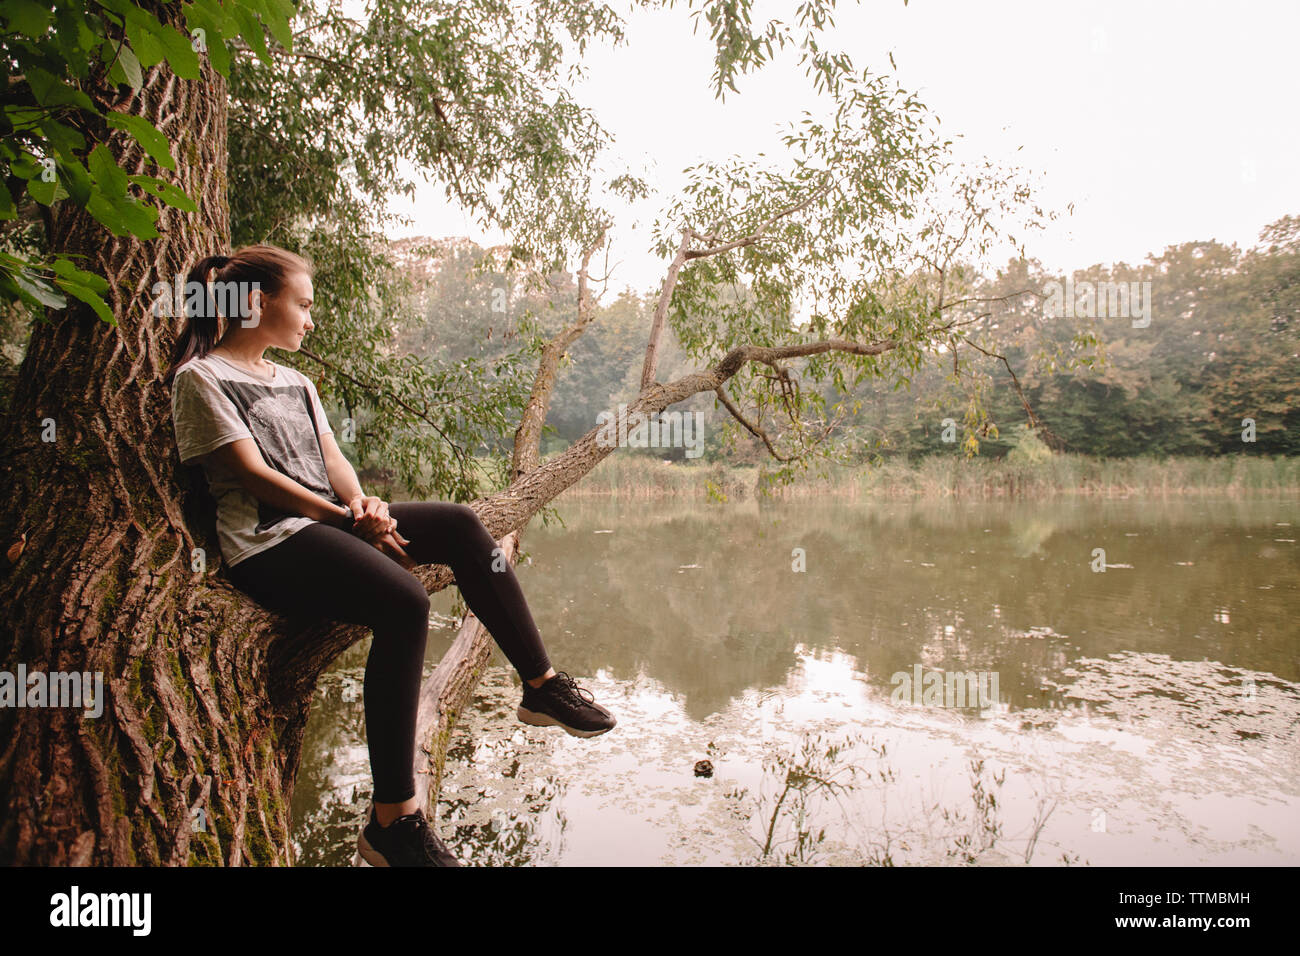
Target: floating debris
1040	631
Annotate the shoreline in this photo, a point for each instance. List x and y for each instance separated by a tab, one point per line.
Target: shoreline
952	478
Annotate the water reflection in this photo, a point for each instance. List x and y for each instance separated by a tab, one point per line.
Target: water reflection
1145	712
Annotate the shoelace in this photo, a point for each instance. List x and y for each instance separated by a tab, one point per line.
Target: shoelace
430	845
580	694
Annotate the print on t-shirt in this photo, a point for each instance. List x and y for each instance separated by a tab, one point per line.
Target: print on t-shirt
284	427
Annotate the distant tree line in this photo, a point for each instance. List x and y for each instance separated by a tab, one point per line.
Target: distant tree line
1210	360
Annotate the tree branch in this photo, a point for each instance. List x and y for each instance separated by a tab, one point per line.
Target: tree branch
528	436
753	428
684	254
651	364
381	393
757	234
1034	421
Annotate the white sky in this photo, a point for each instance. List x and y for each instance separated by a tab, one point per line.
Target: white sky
1163	122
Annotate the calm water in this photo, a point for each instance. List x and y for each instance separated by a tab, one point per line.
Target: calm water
1144	714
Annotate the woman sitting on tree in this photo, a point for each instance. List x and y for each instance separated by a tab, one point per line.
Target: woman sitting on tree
299	536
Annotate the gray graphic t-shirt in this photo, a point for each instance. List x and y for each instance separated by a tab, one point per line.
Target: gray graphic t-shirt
215	402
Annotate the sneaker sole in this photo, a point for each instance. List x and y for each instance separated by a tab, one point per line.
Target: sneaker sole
536	719
369	853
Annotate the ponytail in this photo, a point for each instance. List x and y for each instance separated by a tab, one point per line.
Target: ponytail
268	266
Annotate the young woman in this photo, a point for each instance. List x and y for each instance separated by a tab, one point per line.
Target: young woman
299	536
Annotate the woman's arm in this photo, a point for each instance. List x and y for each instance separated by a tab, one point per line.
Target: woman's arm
242	459
343	477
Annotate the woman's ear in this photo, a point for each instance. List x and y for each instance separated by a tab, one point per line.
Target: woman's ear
254	318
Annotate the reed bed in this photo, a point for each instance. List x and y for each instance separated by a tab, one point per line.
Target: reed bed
632	476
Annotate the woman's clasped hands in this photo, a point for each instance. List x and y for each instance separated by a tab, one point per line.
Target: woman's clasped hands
371	523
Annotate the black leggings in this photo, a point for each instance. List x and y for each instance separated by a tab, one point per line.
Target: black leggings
325	572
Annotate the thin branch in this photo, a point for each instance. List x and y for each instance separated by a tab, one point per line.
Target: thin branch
1034	421
685	254
753	428
651	363
999	298
528	436
757	234
381	393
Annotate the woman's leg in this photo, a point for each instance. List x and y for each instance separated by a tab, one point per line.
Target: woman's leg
322	572
443	532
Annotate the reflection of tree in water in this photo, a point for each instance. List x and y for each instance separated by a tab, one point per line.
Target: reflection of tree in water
334	784
1030	532
815	802
1003	587
332	795
493	836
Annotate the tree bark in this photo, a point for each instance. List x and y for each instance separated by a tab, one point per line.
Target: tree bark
104	581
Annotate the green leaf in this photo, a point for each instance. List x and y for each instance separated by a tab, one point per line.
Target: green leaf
109	176
140	219
124	216
25	166
218	23
73	39
64	268
75	180
129	12
49	90
46	193
130	65
22	116
147	49
26	17
146	134
168	193
8	208
276	14
38	290
89	297
250	28
65	139
219	55
180	55
108	215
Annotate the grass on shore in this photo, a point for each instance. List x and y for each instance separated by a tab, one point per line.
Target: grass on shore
633	476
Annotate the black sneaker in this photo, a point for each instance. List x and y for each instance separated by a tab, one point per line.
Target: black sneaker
560	702
407	841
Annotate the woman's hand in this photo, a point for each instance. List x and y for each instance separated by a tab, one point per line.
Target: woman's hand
370	517
373	525
391	545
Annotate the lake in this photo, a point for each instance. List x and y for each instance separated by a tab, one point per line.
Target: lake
1070	681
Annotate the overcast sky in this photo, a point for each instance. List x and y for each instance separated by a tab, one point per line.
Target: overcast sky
1162	122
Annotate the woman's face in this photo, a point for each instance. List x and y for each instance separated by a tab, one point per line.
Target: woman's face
283	318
